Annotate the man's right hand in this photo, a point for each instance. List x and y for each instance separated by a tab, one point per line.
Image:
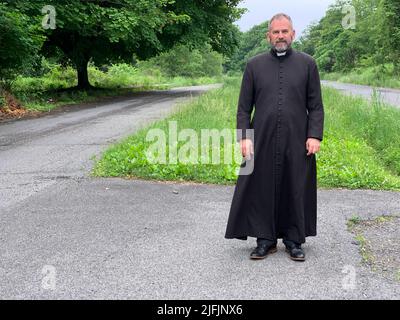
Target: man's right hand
246	146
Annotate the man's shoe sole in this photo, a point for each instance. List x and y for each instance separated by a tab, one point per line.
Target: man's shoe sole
273	250
295	259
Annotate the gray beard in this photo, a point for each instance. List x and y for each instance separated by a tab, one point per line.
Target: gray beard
282	48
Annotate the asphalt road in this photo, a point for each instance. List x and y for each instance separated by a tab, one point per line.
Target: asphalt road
387	95
65	235
36	153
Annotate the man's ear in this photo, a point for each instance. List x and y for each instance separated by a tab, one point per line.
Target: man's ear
294	34
267	37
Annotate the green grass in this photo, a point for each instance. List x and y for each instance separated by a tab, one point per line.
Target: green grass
378	76
212	110
52	99
365	252
353	221
361	148
364	130
52	90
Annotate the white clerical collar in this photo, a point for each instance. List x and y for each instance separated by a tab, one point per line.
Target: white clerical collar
279	54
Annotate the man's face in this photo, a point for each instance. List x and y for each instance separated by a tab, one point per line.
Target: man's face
281	34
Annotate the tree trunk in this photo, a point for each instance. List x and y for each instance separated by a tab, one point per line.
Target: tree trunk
396	65
83	78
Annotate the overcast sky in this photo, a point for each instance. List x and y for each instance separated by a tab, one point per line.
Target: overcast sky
303	12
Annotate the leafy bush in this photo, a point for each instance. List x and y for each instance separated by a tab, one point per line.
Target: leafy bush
2	100
186	62
19	42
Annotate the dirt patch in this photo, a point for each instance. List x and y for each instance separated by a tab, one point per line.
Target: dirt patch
379	241
13	109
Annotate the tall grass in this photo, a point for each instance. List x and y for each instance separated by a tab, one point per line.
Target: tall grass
377	76
212	110
374	123
48	92
361	148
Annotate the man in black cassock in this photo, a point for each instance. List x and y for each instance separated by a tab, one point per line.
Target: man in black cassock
279	198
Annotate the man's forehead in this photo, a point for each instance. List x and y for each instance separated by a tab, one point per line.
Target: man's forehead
281	23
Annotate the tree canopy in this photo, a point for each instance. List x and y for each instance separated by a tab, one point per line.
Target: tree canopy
105	31
19	42
373	40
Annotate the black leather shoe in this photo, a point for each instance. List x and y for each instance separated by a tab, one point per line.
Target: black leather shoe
263	250
295	251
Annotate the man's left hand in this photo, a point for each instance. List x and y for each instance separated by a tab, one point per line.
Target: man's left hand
312	146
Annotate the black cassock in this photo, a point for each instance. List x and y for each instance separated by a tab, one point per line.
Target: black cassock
279	198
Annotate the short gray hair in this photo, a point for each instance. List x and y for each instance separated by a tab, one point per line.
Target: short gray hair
280	16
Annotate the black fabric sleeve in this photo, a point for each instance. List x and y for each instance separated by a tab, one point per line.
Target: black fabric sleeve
246	103
314	103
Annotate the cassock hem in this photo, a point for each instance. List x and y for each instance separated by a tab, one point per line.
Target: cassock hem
280	236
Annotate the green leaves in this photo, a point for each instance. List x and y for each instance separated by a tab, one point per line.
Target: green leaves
110	31
376	36
186	62
19	42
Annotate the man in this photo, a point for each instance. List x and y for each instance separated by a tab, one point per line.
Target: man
278	199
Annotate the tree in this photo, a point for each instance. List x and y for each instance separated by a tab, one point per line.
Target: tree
106	31
251	43
391	32
182	61
375	41
19	43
